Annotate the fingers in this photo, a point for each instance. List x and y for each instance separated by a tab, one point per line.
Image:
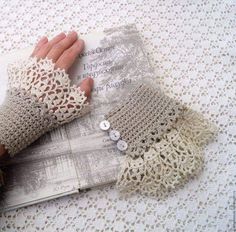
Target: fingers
87	86
58	49
62	49
44	50
38	46
68	57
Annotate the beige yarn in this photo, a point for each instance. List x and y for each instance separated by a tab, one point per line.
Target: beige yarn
39	98
143	117
165	142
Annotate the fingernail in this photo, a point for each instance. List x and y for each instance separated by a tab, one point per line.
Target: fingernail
43	38
72	33
91	81
81	41
89	78
61	34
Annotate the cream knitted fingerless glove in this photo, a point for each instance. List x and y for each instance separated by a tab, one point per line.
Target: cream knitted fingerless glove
161	139
39	99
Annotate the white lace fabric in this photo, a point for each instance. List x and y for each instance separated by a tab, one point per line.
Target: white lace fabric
39	99
165	142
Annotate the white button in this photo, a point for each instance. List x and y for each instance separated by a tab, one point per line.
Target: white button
114	135
122	145
104	125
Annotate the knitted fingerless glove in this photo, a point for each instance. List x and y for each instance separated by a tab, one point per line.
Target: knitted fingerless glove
161	139
39	99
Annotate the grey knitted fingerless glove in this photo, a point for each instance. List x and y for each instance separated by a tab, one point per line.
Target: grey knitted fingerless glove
161	139
39	99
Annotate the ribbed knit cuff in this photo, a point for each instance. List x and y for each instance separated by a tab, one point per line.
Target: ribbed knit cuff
142	118
22	120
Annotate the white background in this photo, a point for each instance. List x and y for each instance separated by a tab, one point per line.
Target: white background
192	46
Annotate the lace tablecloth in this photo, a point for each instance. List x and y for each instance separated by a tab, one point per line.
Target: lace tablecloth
192	46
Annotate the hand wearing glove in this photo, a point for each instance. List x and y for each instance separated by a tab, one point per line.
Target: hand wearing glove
40	96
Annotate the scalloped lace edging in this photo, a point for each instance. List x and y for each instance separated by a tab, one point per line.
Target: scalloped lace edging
170	162
40	78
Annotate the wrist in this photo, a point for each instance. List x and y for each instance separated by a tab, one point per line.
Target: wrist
23	119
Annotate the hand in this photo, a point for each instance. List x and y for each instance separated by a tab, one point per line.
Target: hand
63	50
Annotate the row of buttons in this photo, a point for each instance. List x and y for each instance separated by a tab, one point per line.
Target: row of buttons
114	135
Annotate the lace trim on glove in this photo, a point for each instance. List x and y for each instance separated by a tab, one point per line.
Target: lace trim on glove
39	98
51	86
169	162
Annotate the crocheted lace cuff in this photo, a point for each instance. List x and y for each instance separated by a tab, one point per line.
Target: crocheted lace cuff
161	139
39	98
143	117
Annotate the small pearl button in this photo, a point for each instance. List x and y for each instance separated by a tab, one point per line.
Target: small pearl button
114	135
122	145
104	125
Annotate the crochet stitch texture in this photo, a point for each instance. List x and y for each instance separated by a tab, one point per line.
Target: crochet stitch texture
39	99
165	142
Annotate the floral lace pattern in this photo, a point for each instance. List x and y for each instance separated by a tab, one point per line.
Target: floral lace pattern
169	162
165	141
39	99
51	86
192	47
